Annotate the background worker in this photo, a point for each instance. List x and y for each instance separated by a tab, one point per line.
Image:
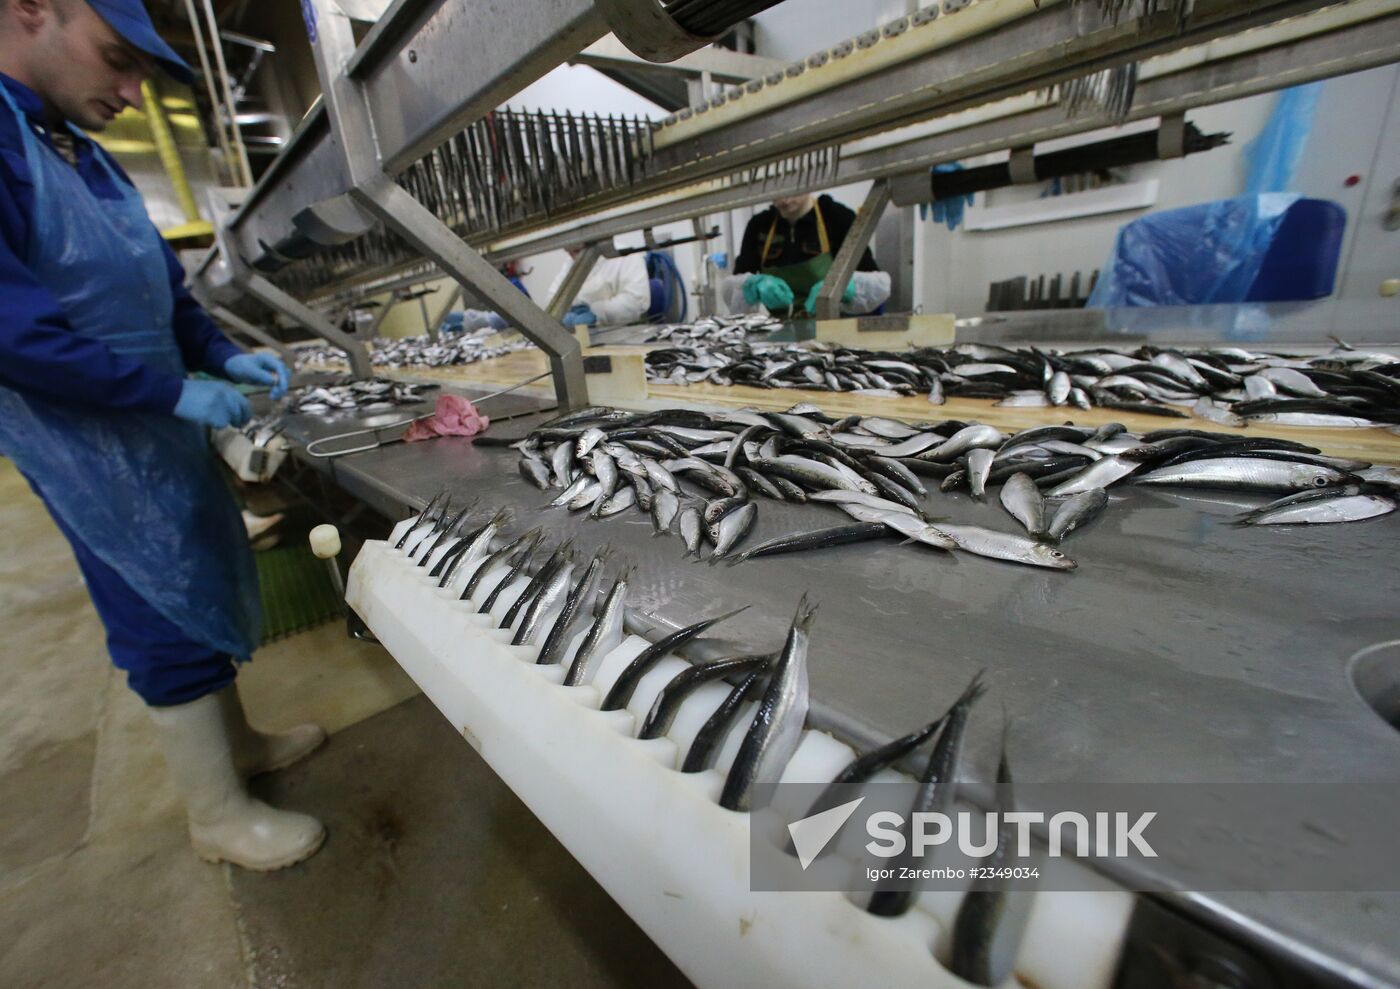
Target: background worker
615	293
97	337
785	256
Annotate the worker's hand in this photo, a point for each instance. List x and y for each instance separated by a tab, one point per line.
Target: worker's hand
215	404
949	211
580	315
847	296
259	369
770	290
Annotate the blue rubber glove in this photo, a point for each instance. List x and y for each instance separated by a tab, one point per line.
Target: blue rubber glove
259	369
847	296
212	403
770	290
949	212
580	315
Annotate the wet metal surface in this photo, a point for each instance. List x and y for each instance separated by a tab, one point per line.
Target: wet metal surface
1182	649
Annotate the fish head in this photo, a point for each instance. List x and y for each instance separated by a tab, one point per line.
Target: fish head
1048	556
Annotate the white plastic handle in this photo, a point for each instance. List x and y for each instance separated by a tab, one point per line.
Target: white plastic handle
325	541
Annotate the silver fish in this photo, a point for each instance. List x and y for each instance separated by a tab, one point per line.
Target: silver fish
710	737
574	489
692	528
843	497
664	508
626	683
732	528
1099	474
552	592
1005	546
591	437
1021	497
1215	412
979	465
668	703
1245	474
937	788
776	729
1078	510
1059	388
967	438
1324	511
587	496
907	525
992	918
618	503
562	462
578	601
535	471
604	635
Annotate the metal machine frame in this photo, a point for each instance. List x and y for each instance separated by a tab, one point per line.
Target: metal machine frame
923	91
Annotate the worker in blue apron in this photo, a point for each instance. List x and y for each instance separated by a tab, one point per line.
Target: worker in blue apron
97	338
786	254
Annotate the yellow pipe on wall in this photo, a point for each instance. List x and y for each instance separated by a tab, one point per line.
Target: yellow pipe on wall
169	153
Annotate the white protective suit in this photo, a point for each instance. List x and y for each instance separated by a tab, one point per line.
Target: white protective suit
617	289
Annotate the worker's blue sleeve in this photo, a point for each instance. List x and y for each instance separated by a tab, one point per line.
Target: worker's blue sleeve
41	354
202	345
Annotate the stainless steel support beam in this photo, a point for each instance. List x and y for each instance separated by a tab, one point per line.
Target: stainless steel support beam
843	266
242	327
274	298
412	221
569	289
1200	82
360	131
456	61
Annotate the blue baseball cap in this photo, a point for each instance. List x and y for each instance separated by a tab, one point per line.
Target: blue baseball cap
129	19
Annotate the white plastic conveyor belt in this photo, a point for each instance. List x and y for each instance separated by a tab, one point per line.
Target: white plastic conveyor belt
657	839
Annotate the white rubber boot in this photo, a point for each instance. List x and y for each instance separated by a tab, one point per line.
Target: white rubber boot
226	824
256	751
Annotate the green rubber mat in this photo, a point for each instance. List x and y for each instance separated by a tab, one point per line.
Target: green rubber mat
297	592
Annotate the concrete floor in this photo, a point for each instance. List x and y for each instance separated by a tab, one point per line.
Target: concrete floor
433	874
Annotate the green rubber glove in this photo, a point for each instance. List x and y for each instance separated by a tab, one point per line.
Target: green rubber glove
847	296
770	290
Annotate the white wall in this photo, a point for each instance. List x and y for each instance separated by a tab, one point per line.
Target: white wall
954	270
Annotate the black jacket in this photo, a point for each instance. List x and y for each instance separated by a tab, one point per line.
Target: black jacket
794	245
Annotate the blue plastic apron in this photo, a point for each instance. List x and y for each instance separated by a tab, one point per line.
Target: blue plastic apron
140	489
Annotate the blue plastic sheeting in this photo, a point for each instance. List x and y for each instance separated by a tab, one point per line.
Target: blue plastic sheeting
1273	156
1199	255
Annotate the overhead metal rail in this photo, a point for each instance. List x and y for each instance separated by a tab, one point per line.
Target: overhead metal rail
966	86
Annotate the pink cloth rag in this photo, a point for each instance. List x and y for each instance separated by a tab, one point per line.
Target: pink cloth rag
453	416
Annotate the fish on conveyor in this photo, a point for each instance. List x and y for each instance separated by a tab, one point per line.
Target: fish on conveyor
575	605
1023	500
1246	474
604	635
776	730
1005	546
552	591
626	683
1077	510
992	918
937	787
426	516
856	773
520	563
797	542
732	528
494	560
1321	508
668	703
708	740
474	547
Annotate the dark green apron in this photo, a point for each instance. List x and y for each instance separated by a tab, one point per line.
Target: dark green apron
804	274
